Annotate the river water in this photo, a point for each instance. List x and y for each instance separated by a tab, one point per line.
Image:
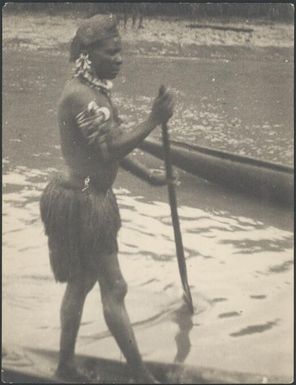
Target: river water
239	252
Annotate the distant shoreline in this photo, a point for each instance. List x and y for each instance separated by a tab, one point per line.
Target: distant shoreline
166	36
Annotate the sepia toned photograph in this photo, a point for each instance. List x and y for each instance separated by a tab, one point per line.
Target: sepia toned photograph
147	193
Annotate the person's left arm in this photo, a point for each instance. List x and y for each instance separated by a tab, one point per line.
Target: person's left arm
153	177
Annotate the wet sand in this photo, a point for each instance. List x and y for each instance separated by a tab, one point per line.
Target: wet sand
239	252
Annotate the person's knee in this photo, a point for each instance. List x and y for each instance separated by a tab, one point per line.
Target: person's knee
117	291
113	299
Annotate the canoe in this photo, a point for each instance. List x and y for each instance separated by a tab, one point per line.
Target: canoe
266	181
99	370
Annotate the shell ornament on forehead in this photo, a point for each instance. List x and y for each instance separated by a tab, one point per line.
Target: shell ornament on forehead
83	70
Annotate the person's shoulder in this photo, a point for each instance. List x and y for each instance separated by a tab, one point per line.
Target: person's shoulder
76	92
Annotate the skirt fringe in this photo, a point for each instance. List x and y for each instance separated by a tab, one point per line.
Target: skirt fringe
80	227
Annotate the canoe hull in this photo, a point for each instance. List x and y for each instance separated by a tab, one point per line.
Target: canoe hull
259	179
107	371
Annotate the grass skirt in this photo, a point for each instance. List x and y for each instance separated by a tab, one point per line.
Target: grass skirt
80	227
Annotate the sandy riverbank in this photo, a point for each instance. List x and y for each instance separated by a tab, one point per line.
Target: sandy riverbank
159	35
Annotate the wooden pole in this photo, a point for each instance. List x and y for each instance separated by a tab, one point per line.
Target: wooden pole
175	217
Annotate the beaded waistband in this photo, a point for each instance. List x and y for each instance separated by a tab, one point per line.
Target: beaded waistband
87	184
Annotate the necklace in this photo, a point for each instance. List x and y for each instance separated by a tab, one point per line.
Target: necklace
83	70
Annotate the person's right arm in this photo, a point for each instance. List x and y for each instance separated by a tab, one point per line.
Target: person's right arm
111	142
161	112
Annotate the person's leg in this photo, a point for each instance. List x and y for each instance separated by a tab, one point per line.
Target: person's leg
134	17
113	290
71	312
125	17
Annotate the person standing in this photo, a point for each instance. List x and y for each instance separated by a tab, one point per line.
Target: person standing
135	11
79	210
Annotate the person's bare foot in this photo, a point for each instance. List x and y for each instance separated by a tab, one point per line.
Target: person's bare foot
69	372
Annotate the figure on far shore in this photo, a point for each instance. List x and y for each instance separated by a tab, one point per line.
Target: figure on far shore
135	12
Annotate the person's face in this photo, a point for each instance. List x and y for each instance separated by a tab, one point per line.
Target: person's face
106	58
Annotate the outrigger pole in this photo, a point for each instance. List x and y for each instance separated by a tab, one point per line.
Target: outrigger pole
174	213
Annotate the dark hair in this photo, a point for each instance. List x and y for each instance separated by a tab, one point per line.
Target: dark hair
77	47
